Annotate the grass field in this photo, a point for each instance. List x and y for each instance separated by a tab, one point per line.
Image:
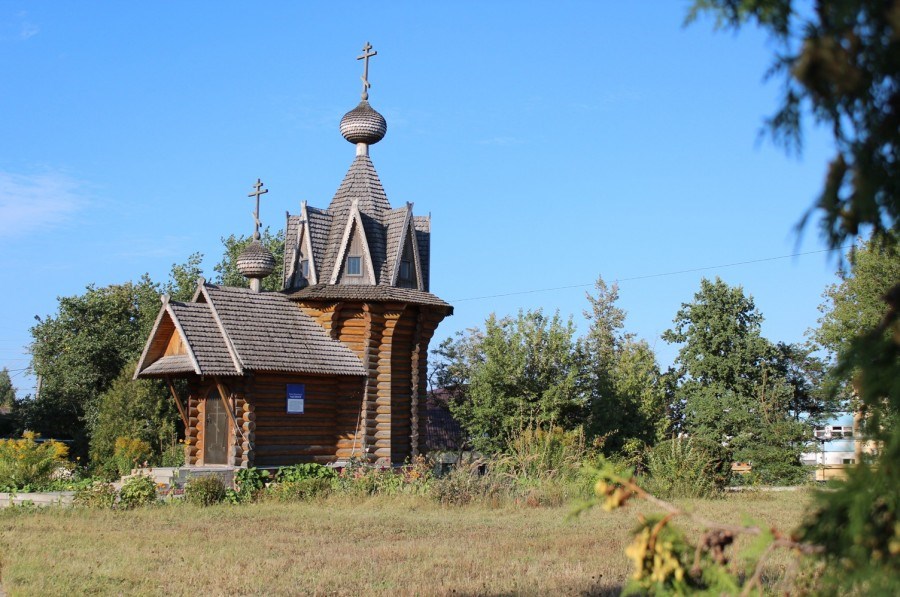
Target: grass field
338	546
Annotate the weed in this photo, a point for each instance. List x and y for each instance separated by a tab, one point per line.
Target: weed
204	491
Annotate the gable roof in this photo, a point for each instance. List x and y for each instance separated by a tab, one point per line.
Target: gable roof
319	223
423	238
228	331
393	221
355	227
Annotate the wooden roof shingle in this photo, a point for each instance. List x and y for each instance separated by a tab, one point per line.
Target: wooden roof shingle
362	186
380	293
270	333
228	331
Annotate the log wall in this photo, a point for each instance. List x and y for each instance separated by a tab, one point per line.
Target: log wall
281	438
391	339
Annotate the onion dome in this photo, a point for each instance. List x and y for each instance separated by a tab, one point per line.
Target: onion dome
256	261
363	124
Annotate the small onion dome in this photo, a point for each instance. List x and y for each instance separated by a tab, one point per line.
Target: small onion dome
363	124
256	261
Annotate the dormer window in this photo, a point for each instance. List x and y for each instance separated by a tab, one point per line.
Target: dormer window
304	269
405	271
354	265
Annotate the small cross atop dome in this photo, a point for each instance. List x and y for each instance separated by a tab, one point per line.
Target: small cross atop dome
363	125
256	261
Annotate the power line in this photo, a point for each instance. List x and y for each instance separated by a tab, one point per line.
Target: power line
660	275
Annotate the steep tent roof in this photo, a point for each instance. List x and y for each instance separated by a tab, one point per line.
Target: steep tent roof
362	186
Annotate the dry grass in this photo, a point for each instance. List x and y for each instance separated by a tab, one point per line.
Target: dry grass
372	546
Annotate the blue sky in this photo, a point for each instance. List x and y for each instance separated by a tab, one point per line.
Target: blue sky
551	143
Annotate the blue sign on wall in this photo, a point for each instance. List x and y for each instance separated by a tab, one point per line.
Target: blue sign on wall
296	397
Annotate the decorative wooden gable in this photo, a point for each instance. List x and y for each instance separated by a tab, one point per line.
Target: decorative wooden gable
354	257
168	349
407	268
301	267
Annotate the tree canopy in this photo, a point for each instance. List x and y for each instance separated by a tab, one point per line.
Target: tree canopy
840	63
526	374
734	384
227	271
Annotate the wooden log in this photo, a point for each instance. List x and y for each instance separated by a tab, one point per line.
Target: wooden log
289	440
276	460
294	449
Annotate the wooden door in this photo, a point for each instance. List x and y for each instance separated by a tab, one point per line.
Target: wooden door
215	432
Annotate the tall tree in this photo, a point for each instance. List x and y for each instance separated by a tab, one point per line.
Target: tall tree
731	386
840	61
7	390
79	351
526	374
855	306
621	377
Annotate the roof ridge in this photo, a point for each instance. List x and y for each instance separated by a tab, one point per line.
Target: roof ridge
232	350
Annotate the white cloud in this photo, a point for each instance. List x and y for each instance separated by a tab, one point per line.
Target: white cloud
28	30
18	28
33	202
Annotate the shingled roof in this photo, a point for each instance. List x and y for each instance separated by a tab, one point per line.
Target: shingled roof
228	331
362	186
384	230
380	293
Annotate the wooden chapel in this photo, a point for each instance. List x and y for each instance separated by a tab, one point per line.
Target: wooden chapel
329	368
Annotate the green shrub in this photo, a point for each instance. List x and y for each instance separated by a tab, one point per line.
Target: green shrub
172	455
137	491
299	489
141	409
98	495
250	482
683	468
204	491
27	464
307	470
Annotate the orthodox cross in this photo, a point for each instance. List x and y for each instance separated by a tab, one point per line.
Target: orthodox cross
365	78
259	191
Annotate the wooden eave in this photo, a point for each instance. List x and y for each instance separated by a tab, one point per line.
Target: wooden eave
166	309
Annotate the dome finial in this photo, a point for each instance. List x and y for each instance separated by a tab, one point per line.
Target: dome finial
362	125
256	261
365	78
